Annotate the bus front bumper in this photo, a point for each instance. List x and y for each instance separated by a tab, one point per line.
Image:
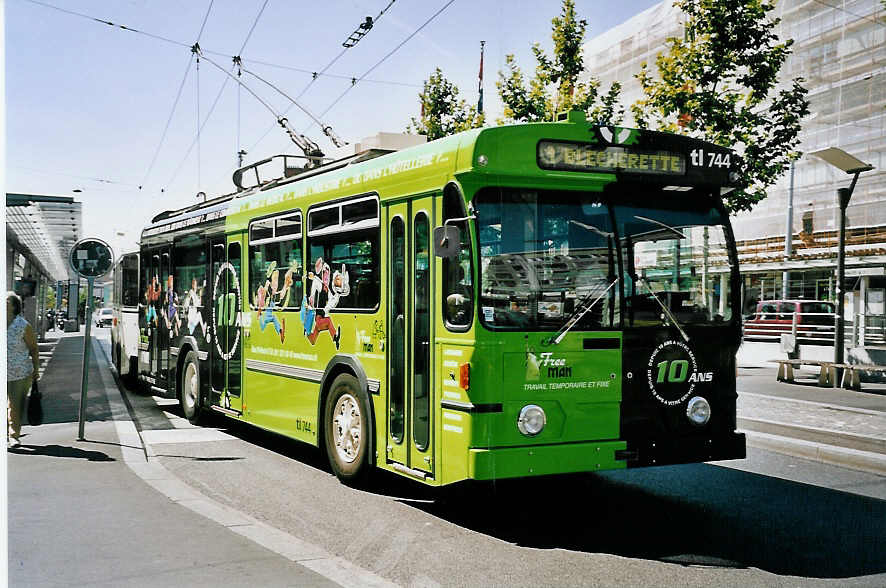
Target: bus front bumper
695	449
541	460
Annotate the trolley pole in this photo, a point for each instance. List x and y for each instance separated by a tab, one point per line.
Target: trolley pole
86	345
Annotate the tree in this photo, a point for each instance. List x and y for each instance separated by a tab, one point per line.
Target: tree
555	87
49	297
719	83
442	113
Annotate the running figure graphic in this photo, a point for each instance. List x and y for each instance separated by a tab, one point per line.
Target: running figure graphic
265	301
324	295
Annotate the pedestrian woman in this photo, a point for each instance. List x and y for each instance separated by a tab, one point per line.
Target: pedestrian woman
22	365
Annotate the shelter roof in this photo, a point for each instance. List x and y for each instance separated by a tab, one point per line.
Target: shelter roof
46	227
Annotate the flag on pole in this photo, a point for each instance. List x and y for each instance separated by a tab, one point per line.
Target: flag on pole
480	101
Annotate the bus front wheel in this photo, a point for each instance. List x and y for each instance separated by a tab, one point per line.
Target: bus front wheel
190	389
347	428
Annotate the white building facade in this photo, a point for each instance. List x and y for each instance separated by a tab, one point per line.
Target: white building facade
840	50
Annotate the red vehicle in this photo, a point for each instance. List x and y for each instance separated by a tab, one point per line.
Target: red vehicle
815	320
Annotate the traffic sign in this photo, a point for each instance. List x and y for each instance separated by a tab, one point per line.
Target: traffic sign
91	257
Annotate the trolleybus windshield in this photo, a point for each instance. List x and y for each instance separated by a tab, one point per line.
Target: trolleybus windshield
677	265
543	253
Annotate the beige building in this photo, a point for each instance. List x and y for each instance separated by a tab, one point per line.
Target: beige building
840	50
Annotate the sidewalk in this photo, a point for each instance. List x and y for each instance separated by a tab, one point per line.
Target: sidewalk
831	425
79	514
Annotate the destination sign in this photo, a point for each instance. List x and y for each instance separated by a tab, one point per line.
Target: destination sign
582	157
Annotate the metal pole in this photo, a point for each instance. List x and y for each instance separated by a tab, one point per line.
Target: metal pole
86	340
788	238
843	196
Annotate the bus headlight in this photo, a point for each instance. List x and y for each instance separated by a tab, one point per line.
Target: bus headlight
532	420
698	411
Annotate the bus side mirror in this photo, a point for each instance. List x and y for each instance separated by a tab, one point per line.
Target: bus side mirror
447	241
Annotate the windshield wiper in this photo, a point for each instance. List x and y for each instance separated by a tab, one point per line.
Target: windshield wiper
672	318
591	228
661	224
582	309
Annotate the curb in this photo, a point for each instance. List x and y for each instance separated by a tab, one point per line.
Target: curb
827	437
855	459
138	456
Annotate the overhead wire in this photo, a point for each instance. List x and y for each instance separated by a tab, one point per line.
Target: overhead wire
312	151
319	74
327	130
238	63
383	59
217	98
58	173
205	18
168	122
198	118
175	103
197	44
109	23
315	75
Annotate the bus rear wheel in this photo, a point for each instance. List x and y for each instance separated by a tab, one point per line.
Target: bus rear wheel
347	428
189	390
115	358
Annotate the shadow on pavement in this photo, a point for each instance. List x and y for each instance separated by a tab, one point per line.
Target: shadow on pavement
694	515
61	451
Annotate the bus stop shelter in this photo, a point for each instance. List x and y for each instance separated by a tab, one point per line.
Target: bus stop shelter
40	230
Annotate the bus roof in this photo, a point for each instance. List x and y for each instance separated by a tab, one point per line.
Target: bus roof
570	155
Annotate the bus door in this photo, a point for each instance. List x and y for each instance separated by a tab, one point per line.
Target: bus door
225	370
164	334
157	339
410	438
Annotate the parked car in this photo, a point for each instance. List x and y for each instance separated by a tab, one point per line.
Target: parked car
815	320
104	317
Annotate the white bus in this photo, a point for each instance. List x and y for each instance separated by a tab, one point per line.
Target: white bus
124	331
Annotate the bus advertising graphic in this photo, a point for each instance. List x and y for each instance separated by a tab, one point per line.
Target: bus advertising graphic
226	310
668	372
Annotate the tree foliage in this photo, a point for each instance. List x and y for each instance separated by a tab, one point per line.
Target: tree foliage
720	83
555	86
442	113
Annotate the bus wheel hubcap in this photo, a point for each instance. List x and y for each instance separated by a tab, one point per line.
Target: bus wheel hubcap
191	385
346	427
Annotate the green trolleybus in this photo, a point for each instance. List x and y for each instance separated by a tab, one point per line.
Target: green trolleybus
513	301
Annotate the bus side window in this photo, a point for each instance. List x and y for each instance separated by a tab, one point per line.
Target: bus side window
458	288
276	274
344	256
128	283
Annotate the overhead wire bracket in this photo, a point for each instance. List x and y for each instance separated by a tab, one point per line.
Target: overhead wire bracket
311	149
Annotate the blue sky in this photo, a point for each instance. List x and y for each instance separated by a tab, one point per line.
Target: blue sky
87	103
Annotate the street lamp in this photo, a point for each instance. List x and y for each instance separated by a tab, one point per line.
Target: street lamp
853	166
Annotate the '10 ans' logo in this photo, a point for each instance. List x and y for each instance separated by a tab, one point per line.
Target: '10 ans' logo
226	311
671	366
